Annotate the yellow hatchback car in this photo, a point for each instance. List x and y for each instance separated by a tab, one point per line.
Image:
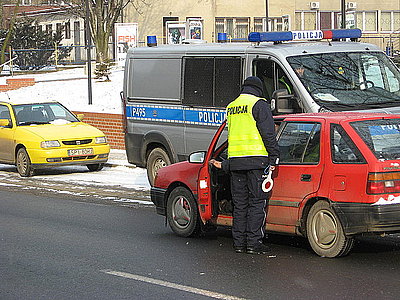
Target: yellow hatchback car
44	134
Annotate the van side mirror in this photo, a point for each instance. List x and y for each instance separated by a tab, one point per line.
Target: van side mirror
282	102
5	123
197	157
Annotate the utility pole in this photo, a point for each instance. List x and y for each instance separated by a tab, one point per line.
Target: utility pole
266	15
88	44
343	11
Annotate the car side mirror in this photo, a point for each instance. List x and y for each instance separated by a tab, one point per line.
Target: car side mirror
282	101
197	157
80	117
5	123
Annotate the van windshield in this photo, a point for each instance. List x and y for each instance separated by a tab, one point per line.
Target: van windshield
382	137
349	80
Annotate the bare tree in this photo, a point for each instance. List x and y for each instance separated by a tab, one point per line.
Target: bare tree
5	34
103	14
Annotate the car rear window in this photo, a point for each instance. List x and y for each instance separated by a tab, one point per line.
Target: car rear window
382	137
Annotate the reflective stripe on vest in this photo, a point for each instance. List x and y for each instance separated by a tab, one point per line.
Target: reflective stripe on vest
243	136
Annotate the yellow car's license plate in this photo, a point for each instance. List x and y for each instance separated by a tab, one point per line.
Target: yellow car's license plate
79	152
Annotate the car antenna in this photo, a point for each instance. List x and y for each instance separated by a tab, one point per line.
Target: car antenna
8	96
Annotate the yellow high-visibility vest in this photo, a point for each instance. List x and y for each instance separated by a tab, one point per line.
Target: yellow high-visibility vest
243	136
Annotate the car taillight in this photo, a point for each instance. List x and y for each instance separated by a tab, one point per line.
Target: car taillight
383	183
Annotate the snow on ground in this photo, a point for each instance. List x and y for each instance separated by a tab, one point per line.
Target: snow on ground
70	87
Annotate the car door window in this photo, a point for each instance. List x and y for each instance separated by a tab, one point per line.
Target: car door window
299	142
5	113
343	149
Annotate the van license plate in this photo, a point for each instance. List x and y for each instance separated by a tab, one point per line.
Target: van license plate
79	152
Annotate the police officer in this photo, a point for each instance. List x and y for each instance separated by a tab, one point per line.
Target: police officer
252	148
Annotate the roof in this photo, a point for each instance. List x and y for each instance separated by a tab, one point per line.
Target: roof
283	49
18	101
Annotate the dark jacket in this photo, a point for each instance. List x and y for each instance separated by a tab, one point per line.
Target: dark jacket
265	125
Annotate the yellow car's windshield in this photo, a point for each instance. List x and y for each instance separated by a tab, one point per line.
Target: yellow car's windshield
43	113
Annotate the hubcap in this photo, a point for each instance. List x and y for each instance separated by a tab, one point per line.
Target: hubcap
158	164
22	162
181	211
324	229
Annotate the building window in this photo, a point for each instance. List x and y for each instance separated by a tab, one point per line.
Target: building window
258	24
306	20
371	21
67	28
235	28
49	28
58	28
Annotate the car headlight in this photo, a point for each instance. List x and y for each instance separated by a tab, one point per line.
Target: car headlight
101	140
50	144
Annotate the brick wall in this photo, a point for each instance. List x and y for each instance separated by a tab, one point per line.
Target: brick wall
110	124
16	83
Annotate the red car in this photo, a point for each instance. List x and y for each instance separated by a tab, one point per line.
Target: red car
338	177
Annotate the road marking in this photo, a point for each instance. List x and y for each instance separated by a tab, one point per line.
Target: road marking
172	285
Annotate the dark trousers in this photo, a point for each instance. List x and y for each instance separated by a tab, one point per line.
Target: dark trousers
249	207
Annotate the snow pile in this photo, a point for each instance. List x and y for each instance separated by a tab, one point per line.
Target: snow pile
70	87
390	200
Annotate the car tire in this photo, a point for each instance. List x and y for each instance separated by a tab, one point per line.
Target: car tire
95	167
182	213
156	160
325	232
23	162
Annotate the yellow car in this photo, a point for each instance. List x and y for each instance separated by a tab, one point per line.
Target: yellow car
43	134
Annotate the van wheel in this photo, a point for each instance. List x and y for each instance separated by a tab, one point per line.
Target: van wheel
23	162
325	233
95	167
182	213
156	160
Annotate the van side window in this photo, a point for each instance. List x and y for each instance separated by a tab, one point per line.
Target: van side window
299	142
343	149
211	81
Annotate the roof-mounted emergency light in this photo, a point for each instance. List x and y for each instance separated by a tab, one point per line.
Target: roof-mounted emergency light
151	41
282	36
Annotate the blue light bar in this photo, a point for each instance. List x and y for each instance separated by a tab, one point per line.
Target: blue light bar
280	36
342	34
271	36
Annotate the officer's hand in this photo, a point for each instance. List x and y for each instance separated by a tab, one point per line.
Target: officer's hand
272	168
215	163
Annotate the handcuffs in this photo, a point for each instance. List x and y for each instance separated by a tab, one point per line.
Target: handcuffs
267	183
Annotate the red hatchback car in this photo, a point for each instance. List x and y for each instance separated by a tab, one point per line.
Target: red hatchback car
338	177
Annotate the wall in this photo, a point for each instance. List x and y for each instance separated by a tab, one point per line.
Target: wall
16	83
110	124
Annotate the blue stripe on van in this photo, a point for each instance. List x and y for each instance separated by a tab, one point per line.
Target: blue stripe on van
175	114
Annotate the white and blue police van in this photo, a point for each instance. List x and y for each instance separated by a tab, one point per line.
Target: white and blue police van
174	96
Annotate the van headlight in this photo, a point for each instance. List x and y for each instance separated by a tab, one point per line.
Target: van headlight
50	144
101	140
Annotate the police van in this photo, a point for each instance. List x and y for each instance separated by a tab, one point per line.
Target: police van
174	96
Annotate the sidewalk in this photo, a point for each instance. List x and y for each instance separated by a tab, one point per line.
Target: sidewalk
118	158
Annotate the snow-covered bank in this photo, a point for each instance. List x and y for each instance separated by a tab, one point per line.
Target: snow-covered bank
70	87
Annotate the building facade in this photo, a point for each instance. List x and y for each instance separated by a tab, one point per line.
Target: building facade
237	18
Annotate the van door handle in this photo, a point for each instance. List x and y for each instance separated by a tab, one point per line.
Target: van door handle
305	177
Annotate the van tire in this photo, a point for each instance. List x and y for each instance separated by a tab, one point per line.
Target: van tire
325	232
182	213
156	160
23	163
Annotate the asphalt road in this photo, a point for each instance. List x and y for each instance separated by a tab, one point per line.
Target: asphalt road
52	247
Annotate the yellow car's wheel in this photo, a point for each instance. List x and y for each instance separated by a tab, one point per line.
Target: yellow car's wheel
24	165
